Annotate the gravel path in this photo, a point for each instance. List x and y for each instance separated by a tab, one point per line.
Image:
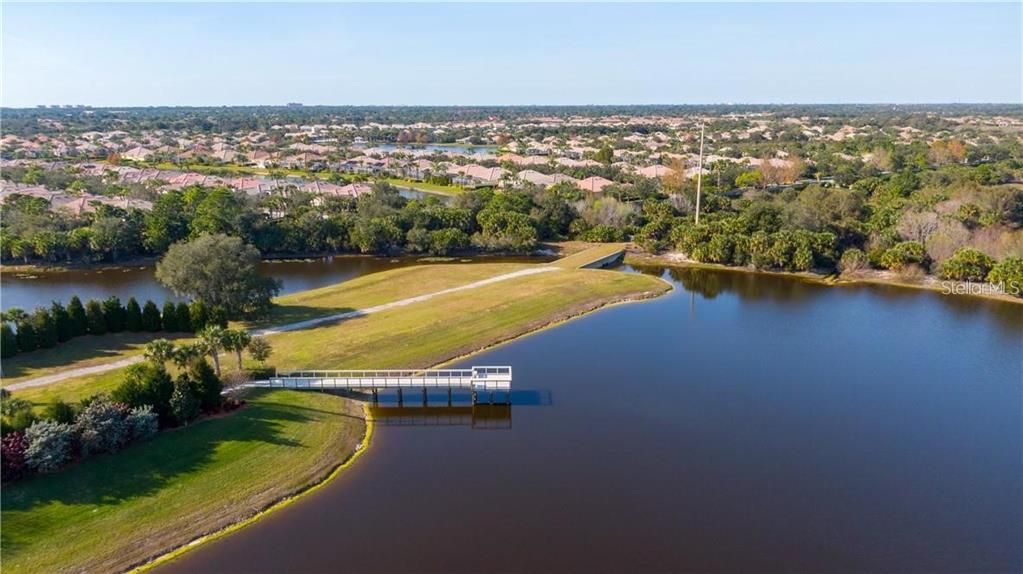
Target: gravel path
120	363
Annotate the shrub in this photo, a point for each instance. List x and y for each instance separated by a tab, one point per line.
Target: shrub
101	427
60	411
133	316
967	264
147	384
260	349
206	385
46	328
151	318
259	373
12	456
26	337
198	316
94	320
184	318
169	317
113	314
853	260
63	320
17	414
79	321
142	423
8	341
49	445
1009	274
444	241
603	233
183	403
903	254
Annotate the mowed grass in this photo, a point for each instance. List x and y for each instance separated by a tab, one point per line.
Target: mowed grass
378	288
72	390
85	351
115	511
589	255
423	186
447	326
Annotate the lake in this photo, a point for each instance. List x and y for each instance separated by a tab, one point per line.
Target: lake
741	423
29	290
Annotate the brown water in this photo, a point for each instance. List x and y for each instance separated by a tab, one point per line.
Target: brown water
742	423
29	290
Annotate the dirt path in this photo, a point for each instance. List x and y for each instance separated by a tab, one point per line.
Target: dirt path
96	369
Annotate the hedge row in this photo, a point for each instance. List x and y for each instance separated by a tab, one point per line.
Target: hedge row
47	328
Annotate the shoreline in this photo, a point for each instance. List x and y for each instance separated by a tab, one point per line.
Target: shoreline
363	446
868	277
278	504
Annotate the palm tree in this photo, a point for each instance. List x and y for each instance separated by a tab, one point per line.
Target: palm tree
160	351
237	340
212	338
188	353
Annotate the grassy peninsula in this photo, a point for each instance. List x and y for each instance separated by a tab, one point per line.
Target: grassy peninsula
116	511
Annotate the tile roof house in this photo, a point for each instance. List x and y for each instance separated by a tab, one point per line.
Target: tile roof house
655	171
594	184
138	153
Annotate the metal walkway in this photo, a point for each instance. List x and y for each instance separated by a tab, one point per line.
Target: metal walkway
475	379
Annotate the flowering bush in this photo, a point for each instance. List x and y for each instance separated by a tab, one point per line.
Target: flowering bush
142	423
101	427
12	456
49	445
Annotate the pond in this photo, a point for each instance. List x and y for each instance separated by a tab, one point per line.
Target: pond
742	423
29	290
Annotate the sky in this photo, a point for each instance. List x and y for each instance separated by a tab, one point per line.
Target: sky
509	54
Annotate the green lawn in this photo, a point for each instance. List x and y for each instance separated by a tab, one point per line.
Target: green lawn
382	287
447	326
84	351
423	186
72	390
112	512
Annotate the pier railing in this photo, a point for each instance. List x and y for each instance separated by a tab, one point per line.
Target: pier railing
475	378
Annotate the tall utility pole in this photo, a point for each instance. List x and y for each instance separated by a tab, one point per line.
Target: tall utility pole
699	176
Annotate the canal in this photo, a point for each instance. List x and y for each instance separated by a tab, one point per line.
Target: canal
742	423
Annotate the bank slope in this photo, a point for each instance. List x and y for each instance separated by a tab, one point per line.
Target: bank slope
448	326
114	511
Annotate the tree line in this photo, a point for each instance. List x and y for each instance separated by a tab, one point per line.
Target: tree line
45	328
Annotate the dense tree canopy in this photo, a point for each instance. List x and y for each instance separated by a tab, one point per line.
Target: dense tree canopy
218	271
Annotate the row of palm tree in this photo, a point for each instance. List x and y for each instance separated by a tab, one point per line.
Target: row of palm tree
212	340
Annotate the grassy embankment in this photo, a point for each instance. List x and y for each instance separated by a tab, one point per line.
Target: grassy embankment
111	512
359	293
114	511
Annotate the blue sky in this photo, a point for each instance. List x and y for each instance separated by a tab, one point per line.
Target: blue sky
235	54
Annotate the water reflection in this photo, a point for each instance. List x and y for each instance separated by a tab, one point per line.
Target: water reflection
793	292
476	416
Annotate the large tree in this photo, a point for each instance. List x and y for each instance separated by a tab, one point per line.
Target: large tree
219	271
